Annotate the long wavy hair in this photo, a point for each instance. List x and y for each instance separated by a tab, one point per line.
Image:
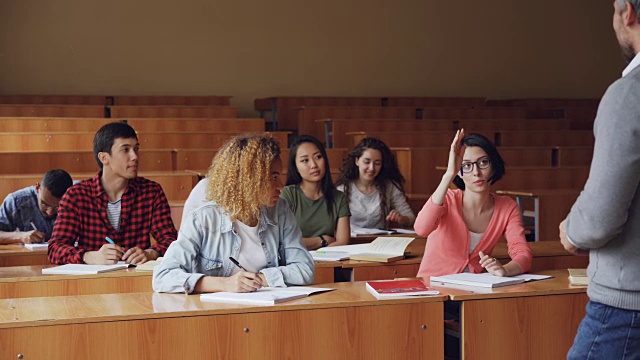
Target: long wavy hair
240	175
294	177
389	173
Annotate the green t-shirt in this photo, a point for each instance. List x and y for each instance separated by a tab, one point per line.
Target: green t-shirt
312	215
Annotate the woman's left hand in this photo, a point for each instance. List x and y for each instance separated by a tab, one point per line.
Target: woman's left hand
396	217
492	265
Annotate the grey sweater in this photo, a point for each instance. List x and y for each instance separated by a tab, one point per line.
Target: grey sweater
606	217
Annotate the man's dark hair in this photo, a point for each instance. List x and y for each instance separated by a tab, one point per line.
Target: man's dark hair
107	135
57	181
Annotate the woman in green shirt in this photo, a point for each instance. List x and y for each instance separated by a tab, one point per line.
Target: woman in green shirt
322	211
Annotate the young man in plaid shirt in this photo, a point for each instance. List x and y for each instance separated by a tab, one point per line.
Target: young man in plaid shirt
112	215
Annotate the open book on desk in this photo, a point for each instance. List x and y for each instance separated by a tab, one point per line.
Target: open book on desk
368	231
263	296
382	249
320	255
83	269
483	280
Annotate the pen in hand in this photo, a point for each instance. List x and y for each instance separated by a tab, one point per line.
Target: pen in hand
236	263
34	226
109	240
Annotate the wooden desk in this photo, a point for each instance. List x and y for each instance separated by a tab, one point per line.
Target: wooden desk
339	324
536	320
18	255
28	281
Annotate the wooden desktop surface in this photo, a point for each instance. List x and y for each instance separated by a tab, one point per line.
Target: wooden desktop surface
339	324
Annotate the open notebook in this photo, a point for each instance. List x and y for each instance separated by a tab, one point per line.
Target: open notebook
263	296
382	249
483	280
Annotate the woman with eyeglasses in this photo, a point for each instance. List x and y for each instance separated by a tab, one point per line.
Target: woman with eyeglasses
464	225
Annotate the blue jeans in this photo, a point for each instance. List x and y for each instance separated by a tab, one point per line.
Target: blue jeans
607	332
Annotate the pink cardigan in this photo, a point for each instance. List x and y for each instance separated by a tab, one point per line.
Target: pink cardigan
447	250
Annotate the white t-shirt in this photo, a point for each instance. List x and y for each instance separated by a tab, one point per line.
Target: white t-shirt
252	255
365	209
474	240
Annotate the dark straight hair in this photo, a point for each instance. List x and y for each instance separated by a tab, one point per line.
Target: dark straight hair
497	164
294	177
107	135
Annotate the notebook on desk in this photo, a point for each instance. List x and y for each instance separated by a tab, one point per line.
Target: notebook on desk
483	280
263	296
42	246
82	269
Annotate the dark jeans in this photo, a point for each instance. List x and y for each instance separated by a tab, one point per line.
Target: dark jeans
607	332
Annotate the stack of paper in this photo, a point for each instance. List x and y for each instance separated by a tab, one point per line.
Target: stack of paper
263	296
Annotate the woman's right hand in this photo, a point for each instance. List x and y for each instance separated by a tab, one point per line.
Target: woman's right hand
242	281
455	154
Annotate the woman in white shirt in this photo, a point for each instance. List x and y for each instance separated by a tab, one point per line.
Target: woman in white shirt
374	187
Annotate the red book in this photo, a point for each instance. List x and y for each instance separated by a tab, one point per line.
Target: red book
390	289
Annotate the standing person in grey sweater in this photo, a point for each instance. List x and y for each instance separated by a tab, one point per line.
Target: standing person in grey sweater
374	187
605	220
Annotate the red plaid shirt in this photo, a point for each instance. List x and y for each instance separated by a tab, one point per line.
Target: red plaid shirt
82	217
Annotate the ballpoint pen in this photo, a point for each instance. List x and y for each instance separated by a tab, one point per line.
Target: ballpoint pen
109	240
237	264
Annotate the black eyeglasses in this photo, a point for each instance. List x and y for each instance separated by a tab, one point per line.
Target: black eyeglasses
467	167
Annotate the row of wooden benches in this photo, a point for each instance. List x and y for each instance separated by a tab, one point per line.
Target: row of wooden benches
123	111
284	114
206	100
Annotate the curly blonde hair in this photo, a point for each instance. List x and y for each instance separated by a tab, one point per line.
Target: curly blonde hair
240	175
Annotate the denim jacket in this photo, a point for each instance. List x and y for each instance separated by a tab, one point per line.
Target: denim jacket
20	209
207	239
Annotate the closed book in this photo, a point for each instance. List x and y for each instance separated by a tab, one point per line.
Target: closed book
82	269
149	265
479	280
390	289
578	277
263	296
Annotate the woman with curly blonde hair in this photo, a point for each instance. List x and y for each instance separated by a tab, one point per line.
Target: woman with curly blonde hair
243	219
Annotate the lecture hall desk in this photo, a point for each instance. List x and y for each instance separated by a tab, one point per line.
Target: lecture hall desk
346	323
18	255
535	320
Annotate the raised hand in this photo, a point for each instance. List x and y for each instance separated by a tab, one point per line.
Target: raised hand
455	154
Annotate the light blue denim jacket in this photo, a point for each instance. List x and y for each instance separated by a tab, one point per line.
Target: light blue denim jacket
207	239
